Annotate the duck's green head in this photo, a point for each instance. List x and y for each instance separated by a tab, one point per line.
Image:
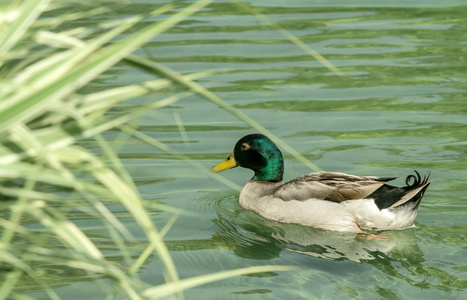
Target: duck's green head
258	153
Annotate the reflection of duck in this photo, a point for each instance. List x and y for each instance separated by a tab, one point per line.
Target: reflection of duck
251	236
326	200
342	245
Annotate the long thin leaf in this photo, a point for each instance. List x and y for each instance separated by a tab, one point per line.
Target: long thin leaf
27	14
52	79
27	107
292	38
151	141
157	68
166	290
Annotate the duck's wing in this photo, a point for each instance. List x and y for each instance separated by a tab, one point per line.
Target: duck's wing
330	186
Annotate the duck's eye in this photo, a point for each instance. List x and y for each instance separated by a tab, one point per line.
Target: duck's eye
244	147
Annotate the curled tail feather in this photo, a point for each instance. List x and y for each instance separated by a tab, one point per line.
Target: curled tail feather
389	196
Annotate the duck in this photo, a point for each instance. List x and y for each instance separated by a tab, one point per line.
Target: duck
326	200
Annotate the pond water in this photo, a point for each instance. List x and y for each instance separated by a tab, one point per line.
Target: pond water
399	105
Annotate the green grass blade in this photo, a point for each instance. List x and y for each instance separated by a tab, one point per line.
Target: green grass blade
30	105
292	38
28	12
151	141
158	69
161	292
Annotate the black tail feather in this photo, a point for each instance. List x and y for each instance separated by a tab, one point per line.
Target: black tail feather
388	195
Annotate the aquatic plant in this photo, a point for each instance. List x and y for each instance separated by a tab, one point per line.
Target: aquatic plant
50	52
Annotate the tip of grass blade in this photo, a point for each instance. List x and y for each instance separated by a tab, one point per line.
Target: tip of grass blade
292	38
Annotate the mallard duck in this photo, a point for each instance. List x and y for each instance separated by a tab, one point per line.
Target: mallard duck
326	200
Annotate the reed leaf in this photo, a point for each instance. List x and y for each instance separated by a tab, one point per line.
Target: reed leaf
45	114
166	290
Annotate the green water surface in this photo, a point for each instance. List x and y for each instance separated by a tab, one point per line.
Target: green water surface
400	105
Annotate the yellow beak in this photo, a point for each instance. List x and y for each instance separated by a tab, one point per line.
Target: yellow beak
229	163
